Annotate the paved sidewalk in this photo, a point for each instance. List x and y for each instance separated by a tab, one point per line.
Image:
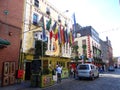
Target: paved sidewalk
26	85
17	86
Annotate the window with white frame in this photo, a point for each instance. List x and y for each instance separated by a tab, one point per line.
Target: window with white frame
35	18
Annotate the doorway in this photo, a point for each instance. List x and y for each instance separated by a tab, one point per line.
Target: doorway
27	70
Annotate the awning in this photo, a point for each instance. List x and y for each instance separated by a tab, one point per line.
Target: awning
4	42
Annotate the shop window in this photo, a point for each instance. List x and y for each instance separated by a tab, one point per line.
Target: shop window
36	3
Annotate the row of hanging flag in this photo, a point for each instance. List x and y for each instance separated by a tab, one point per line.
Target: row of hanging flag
58	31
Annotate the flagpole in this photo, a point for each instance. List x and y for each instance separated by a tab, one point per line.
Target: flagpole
50	41
42	43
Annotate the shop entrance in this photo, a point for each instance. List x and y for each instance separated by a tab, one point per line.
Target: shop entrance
27	70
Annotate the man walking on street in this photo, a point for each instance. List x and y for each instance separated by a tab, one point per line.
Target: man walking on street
59	72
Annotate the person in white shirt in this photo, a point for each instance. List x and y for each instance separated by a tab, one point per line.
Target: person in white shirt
59	72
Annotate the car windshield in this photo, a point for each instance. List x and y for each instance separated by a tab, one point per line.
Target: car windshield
111	67
83	67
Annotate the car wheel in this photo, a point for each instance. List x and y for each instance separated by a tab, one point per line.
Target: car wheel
92	78
98	76
79	78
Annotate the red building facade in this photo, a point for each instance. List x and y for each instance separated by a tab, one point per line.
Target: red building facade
11	20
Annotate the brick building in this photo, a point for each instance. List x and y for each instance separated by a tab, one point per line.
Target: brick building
11	16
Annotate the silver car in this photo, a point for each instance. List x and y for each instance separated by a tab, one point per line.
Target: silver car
87	71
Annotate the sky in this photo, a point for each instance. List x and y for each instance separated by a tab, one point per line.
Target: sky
102	15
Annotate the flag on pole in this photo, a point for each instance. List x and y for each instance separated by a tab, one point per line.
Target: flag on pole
55	30
74	25
56	36
48	24
74	19
62	36
66	36
51	34
43	28
59	34
54	27
56	33
49	28
71	37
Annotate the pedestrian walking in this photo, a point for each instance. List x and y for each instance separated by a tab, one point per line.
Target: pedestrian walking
74	72
71	72
59	72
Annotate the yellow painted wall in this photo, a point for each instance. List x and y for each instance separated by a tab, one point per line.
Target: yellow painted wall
30	28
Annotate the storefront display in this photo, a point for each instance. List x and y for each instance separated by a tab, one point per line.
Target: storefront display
46	76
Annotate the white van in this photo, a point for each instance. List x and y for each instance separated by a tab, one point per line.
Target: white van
87	71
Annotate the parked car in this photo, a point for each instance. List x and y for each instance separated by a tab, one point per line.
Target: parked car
87	71
111	68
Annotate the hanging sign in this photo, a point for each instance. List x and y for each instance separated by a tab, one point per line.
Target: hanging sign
20	73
